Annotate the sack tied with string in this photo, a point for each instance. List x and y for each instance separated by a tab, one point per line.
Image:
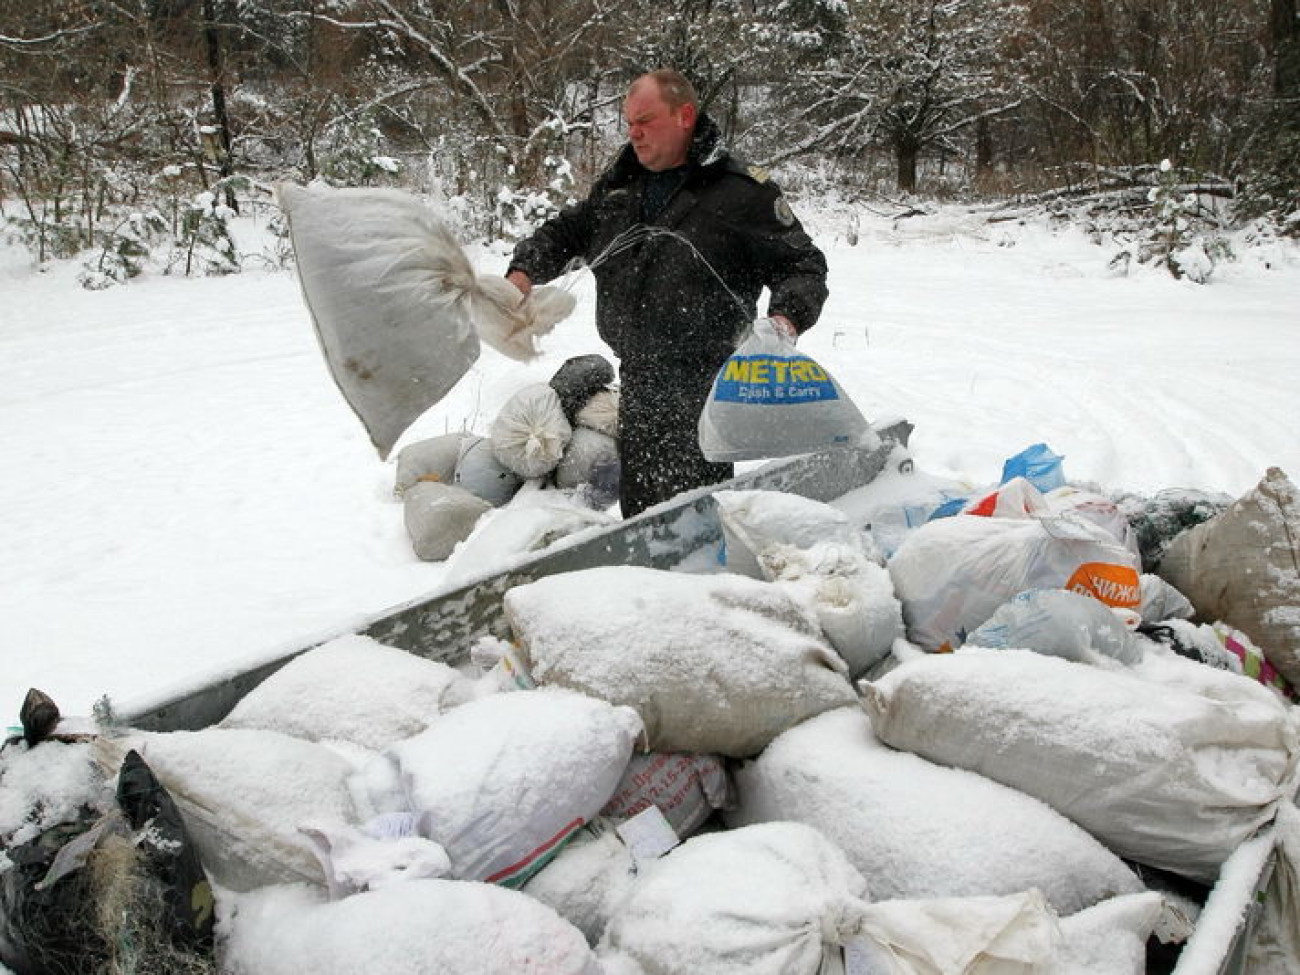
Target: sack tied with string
770	400
396	304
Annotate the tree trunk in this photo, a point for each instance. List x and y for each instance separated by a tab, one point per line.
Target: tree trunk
216	70
906	152
1286	48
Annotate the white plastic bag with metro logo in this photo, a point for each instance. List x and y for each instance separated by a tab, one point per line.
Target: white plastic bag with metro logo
771	400
951	575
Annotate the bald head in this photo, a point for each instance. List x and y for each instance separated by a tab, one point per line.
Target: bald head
660	111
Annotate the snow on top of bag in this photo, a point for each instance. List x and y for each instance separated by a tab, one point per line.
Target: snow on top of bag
915	829
411	929
45	786
353	688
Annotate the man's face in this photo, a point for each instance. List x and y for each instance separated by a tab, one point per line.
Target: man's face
660	135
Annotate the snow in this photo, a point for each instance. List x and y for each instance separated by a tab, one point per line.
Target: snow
186	493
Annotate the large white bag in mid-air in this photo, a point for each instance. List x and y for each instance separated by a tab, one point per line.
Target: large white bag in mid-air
396	304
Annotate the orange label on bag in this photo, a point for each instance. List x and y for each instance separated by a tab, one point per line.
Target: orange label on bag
1114	585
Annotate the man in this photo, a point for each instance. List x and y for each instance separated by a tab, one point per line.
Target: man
673	306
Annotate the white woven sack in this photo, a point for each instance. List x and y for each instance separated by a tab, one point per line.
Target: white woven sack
433	459
351	689
503	781
419	928
243	794
586	451
712	663
386	284
919	830
600	413
440	516
587	880
952	574
754	522
773	899
531	431
1176	779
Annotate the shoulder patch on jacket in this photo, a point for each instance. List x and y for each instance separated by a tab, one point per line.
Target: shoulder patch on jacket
758	174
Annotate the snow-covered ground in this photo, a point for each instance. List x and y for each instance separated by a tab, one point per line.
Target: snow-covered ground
184	490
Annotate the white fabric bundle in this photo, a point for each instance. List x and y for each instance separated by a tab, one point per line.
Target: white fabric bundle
772	899
503	781
439	517
1175	779
712	663
432	459
531	431
953	573
917	830
419	928
243	794
352	689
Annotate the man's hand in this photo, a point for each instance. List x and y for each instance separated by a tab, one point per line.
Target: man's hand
785	326
521	281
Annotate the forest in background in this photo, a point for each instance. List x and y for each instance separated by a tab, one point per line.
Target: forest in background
133	126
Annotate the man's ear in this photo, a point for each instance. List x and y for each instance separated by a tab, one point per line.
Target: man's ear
686	116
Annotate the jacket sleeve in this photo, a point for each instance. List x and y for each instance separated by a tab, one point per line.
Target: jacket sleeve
544	255
792	267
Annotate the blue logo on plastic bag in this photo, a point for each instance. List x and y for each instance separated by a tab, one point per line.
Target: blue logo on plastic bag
773	380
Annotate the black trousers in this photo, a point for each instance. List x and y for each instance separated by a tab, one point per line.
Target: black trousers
659	447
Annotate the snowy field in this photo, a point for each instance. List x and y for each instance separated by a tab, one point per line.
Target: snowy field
185	491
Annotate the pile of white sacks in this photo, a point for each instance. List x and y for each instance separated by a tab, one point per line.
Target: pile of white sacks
757	770
560	434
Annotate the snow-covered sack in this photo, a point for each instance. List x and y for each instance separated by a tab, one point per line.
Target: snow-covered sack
419	928
433	459
503	781
480	473
1111	938
531	522
770	400
531	431
439	516
755	522
952	574
1175	778
352	689
243	794
1243	567
356	859
713	663
917	830
1058	622
772	899
686	788
587	880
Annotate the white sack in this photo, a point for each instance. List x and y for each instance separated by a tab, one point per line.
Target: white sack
1101	511
1161	601
1243	567
531	522
1061	623
353	689
353	860
439	517
1110	938
1174	779
772	899
480	473
420	928
433	459
951	574
771	400
503	781
587	880
511	323
917	830
243	795
386	284
713	663
754	522
531	431
600	413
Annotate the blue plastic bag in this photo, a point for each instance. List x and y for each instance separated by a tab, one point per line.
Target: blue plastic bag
1037	465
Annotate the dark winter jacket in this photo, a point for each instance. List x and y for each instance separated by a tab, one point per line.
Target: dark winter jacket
657	301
